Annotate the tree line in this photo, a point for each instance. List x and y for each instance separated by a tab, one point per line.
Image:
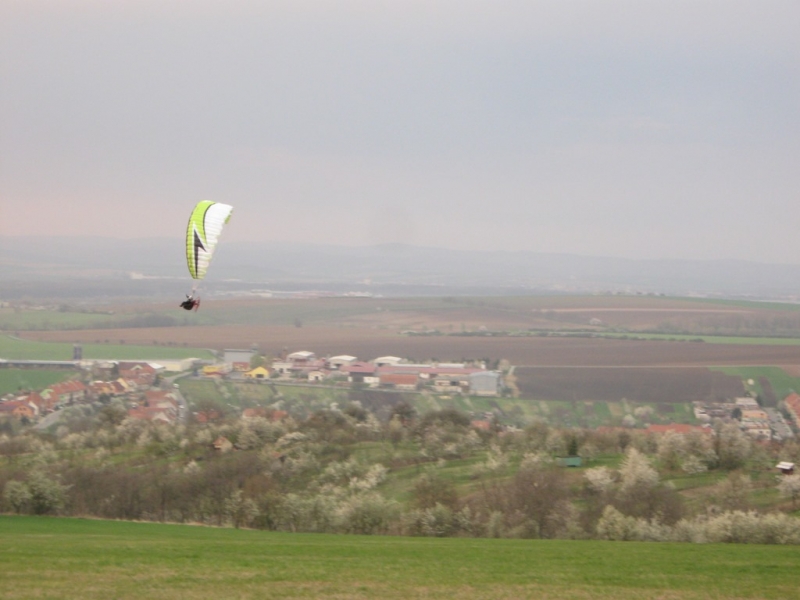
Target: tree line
347	471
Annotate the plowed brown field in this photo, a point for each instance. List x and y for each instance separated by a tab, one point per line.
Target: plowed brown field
612	384
367	343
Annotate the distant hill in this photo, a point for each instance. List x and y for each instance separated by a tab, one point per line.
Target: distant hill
158	264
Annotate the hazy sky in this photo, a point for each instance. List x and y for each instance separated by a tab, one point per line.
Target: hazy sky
641	129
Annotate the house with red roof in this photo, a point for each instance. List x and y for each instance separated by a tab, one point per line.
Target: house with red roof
18	409
399	381
152	413
792	402
120	387
161	398
41	405
65	392
102	388
361	372
138	374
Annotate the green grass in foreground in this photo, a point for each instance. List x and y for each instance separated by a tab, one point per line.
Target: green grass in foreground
74	558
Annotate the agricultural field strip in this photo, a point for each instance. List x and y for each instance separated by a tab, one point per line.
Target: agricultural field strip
101	559
15	348
367	343
650	310
668	366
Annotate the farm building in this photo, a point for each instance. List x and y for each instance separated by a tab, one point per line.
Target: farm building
445	383
337	362
485	383
399	381
358	372
239	360
386	361
301	357
178	365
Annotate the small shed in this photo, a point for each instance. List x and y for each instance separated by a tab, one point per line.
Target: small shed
787	468
569	461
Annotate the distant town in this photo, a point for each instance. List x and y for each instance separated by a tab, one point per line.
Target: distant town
148	391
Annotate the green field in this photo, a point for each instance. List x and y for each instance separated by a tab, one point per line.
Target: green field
12	380
782	383
709	339
12	320
759	323
74	558
12	348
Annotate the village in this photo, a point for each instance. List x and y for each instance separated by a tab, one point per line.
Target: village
151	395
148	389
387	372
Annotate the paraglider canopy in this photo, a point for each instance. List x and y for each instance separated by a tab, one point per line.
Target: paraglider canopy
202	234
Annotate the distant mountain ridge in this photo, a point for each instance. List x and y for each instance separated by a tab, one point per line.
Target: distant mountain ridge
57	259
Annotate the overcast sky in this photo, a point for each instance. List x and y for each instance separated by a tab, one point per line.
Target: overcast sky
640	129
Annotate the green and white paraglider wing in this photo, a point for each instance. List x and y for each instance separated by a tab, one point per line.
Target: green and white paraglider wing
205	226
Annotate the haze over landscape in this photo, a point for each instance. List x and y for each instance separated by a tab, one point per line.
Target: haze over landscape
658	130
520	270
92	267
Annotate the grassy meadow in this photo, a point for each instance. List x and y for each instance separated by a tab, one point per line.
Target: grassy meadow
75	558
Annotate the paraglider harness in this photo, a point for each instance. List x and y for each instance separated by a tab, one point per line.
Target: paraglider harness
190	303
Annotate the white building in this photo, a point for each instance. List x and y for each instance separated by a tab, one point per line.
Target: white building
485	383
302	356
337	362
387	361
